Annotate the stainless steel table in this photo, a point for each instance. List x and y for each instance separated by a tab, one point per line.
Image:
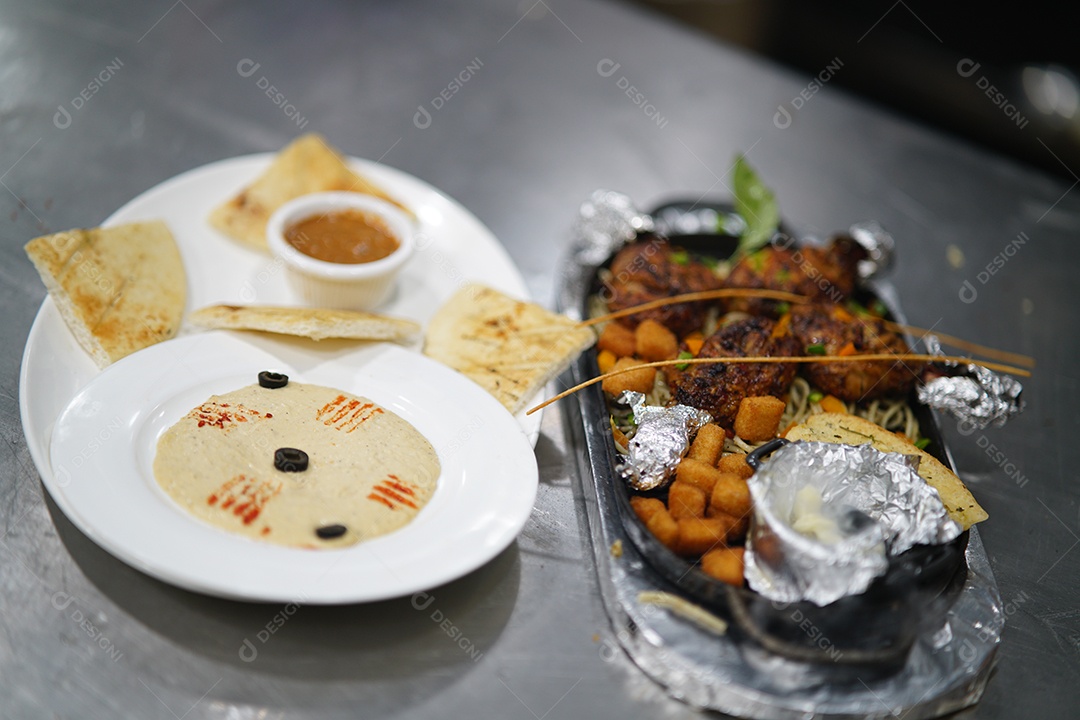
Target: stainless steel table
518	110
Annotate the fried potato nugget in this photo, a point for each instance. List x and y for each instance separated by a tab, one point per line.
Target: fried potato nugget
697	473
708	444
697	536
665	528
735	463
646	507
617	339
655	342
731	496
725	564
637	380
758	418
686	501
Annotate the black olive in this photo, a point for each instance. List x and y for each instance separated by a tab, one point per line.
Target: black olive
328	532
290	460
273	380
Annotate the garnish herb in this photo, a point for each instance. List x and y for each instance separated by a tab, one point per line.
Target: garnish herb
684	355
815	349
680	257
757	206
783	308
816	397
921	443
856	309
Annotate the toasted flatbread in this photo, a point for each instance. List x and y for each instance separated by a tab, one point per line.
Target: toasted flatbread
304	166
853	430
314	323
509	347
119	289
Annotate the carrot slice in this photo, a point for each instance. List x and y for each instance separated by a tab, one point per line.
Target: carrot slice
848	349
606	360
833	404
694	341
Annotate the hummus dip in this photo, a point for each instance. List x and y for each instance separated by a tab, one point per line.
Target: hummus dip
369	472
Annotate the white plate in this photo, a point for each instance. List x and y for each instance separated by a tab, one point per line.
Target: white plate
103	448
453	248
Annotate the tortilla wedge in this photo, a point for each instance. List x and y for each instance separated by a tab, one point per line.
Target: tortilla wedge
119	289
304	166
509	347
853	430
314	323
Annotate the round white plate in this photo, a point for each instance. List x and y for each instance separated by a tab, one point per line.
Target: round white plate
104	442
453	248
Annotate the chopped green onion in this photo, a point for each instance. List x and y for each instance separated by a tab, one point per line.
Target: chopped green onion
816	397
815	349
684	355
680	257
921	443
756	261
879	308
856	309
630	419
710	262
783	308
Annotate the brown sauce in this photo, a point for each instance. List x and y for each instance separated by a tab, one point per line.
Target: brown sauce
346	236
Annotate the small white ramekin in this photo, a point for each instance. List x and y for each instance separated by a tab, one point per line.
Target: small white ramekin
341	286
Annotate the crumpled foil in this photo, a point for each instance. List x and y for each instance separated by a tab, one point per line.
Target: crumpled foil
663	434
606	221
975	395
879	245
879	506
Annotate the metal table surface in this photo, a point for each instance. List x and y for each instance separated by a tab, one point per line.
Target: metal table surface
518	110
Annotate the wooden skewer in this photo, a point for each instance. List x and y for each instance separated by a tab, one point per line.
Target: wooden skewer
698	296
798	359
951	340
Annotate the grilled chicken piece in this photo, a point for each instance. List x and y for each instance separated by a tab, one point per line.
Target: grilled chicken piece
839	332
827	274
720	387
651	268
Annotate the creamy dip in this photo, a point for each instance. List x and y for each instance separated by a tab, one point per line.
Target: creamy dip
369	471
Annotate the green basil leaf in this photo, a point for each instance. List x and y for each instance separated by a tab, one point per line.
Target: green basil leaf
757	206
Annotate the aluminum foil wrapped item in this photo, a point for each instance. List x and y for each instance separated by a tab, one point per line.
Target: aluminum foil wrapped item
879	246
663	434
606	221
977	396
827	517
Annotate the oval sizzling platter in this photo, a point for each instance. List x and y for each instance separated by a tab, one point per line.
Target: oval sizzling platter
874	628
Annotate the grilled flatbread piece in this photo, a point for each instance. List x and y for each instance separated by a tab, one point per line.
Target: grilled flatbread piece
304	166
509	347
852	430
315	323
119	289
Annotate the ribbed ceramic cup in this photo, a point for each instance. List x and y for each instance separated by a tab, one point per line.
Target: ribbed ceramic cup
342	286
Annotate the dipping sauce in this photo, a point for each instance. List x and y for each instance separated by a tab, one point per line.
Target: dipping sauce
345	236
